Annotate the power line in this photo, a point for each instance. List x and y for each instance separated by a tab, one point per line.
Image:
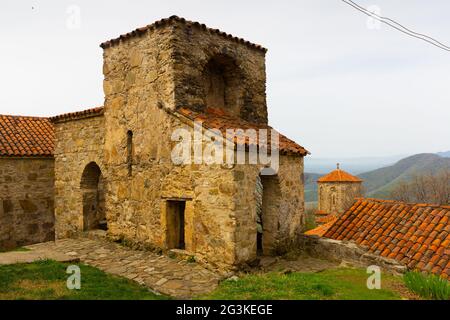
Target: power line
392	23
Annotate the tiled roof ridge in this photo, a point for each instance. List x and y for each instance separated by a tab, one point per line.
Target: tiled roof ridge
77	115
25	117
174	18
430	205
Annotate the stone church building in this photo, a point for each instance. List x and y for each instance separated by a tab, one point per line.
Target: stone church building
110	168
338	191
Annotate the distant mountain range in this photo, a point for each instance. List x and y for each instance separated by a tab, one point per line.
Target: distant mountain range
353	165
445	154
378	183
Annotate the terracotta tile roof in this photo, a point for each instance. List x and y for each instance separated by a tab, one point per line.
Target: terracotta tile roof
174	19
325	218
339	175
321	230
22	136
32	136
26	137
321	213
218	119
78	115
417	235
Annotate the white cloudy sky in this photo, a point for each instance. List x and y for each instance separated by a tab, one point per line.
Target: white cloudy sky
337	87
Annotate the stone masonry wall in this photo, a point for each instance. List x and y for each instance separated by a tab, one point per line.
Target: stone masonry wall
78	143
26	201
146	78
137	84
136	204
283	214
347	252
337	197
244	71
140	80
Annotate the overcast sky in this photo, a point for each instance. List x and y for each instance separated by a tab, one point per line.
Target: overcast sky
336	83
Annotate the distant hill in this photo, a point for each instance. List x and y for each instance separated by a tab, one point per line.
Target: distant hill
311	186
379	183
353	165
445	154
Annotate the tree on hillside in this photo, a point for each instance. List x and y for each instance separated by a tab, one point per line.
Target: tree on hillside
425	188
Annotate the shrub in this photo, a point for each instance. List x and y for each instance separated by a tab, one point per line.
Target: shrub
310	221
324	289
428	286
191	259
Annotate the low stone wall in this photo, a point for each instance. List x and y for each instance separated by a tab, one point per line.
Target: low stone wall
347	252
26	201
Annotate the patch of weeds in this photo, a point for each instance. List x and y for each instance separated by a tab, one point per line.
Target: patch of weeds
428	286
191	259
310	220
171	255
323	289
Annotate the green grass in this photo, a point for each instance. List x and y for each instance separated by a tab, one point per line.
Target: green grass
46	280
428	286
334	284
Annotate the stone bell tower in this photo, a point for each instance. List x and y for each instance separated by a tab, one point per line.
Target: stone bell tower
151	75
171	64
180	63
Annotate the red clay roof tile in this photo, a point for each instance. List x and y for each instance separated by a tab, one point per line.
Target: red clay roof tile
218	119
321	230
418	243
22	136
339	175
33	136
26	136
